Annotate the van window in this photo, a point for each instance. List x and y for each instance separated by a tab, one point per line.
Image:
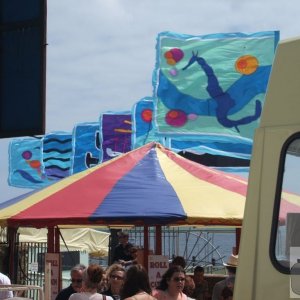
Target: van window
286	226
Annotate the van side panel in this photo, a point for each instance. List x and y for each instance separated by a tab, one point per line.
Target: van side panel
257	278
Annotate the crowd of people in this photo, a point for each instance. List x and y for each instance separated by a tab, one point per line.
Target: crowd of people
126	279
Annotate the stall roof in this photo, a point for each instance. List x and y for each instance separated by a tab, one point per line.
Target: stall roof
150	185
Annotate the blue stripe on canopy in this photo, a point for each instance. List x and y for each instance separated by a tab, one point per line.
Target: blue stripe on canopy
125	199
16	199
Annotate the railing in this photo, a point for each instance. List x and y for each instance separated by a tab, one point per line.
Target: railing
197	246
18	288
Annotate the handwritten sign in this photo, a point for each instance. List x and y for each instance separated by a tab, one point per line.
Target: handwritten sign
157	266
54	260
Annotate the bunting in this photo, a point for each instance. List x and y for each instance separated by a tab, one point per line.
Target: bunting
142	128
86	146
56	155
115	134
25	168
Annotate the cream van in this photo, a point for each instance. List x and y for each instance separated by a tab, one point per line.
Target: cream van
270	241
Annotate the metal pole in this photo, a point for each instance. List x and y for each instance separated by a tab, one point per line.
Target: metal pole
50	240
158	239
237	240
146	246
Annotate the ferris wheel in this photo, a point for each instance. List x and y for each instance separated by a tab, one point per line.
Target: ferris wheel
197	247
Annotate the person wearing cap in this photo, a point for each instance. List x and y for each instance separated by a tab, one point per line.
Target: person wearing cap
228	282
122	253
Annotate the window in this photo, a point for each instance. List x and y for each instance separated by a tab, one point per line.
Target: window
285	240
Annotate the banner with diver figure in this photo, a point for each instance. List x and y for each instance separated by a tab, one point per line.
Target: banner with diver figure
212	84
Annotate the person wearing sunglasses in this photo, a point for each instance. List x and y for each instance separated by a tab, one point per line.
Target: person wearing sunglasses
116	275
76	283
91	276
171	285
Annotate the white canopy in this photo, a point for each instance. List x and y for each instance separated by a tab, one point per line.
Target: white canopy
83	239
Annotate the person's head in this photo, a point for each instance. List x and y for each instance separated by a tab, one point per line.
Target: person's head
230	282
231	264
92	276
231	270
115	275
123	237
198	274
178	261
133	252
189	286
173	279
76	276
103	285
136	280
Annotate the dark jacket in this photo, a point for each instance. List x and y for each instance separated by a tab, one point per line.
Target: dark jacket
64	294
122	252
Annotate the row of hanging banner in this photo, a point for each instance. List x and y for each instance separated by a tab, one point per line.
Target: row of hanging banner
208	95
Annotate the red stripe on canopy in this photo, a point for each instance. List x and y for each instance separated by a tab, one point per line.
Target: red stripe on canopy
98	182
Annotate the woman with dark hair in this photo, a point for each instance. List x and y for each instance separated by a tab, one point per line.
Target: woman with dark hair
136	285
171	285
91	279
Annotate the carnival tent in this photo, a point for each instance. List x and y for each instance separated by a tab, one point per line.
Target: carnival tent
148	186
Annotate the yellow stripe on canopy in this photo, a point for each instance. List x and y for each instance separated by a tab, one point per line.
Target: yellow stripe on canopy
202	200
292	198
36	197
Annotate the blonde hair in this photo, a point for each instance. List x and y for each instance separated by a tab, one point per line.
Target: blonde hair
114	268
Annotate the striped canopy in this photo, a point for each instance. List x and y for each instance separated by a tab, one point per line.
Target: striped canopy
148	186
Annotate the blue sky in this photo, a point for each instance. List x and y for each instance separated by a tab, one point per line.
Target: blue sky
101	53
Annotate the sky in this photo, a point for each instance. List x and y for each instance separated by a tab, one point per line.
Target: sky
101	53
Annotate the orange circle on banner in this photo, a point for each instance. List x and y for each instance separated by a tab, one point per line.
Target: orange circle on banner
147	115
173	114
168	55
171	61
246	64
